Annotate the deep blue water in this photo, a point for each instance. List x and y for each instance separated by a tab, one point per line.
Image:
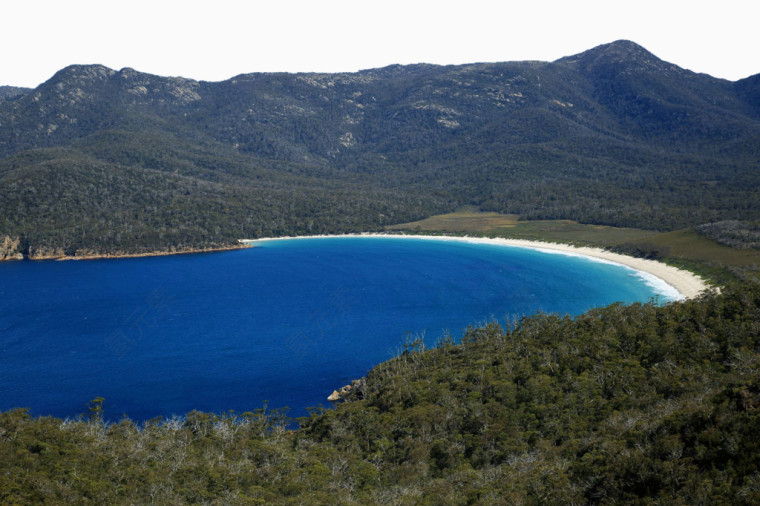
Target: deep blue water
285	321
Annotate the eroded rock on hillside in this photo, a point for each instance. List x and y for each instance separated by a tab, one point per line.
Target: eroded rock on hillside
10	248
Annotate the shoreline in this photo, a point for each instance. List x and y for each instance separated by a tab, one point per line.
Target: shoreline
116	256
685	283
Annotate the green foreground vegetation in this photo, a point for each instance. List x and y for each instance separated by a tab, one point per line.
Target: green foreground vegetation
624	404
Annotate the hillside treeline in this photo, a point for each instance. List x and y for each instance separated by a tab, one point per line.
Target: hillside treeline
100	160
623	404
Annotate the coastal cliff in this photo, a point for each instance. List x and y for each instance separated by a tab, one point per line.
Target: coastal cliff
11	249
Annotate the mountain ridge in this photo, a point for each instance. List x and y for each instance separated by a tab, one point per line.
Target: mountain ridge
612	135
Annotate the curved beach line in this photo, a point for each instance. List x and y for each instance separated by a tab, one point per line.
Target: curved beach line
667	280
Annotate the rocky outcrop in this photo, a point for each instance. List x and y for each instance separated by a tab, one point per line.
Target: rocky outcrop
46	253
355	388
10	249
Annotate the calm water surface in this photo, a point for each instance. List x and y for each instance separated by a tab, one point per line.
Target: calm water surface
285	322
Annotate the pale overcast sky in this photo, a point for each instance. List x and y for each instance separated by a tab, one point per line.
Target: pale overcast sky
218	39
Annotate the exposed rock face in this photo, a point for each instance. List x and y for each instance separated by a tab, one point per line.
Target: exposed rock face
10	249
354	388
46	253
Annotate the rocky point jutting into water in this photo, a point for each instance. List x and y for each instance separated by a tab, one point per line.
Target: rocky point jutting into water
355	388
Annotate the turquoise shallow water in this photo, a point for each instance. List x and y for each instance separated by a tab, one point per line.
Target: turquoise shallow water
285	322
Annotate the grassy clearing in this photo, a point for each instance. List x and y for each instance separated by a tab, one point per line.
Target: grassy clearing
689	244
464	221
508	225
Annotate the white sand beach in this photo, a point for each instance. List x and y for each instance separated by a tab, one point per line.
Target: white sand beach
682	284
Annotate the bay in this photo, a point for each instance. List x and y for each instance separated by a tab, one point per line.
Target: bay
285	322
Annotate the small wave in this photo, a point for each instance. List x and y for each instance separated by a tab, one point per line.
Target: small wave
658	285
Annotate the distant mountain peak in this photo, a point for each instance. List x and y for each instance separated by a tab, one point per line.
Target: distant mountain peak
83	73
623	46
623	50
620	52
618	49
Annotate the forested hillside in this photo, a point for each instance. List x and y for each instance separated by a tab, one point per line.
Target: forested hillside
8	92
99	160
628	405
